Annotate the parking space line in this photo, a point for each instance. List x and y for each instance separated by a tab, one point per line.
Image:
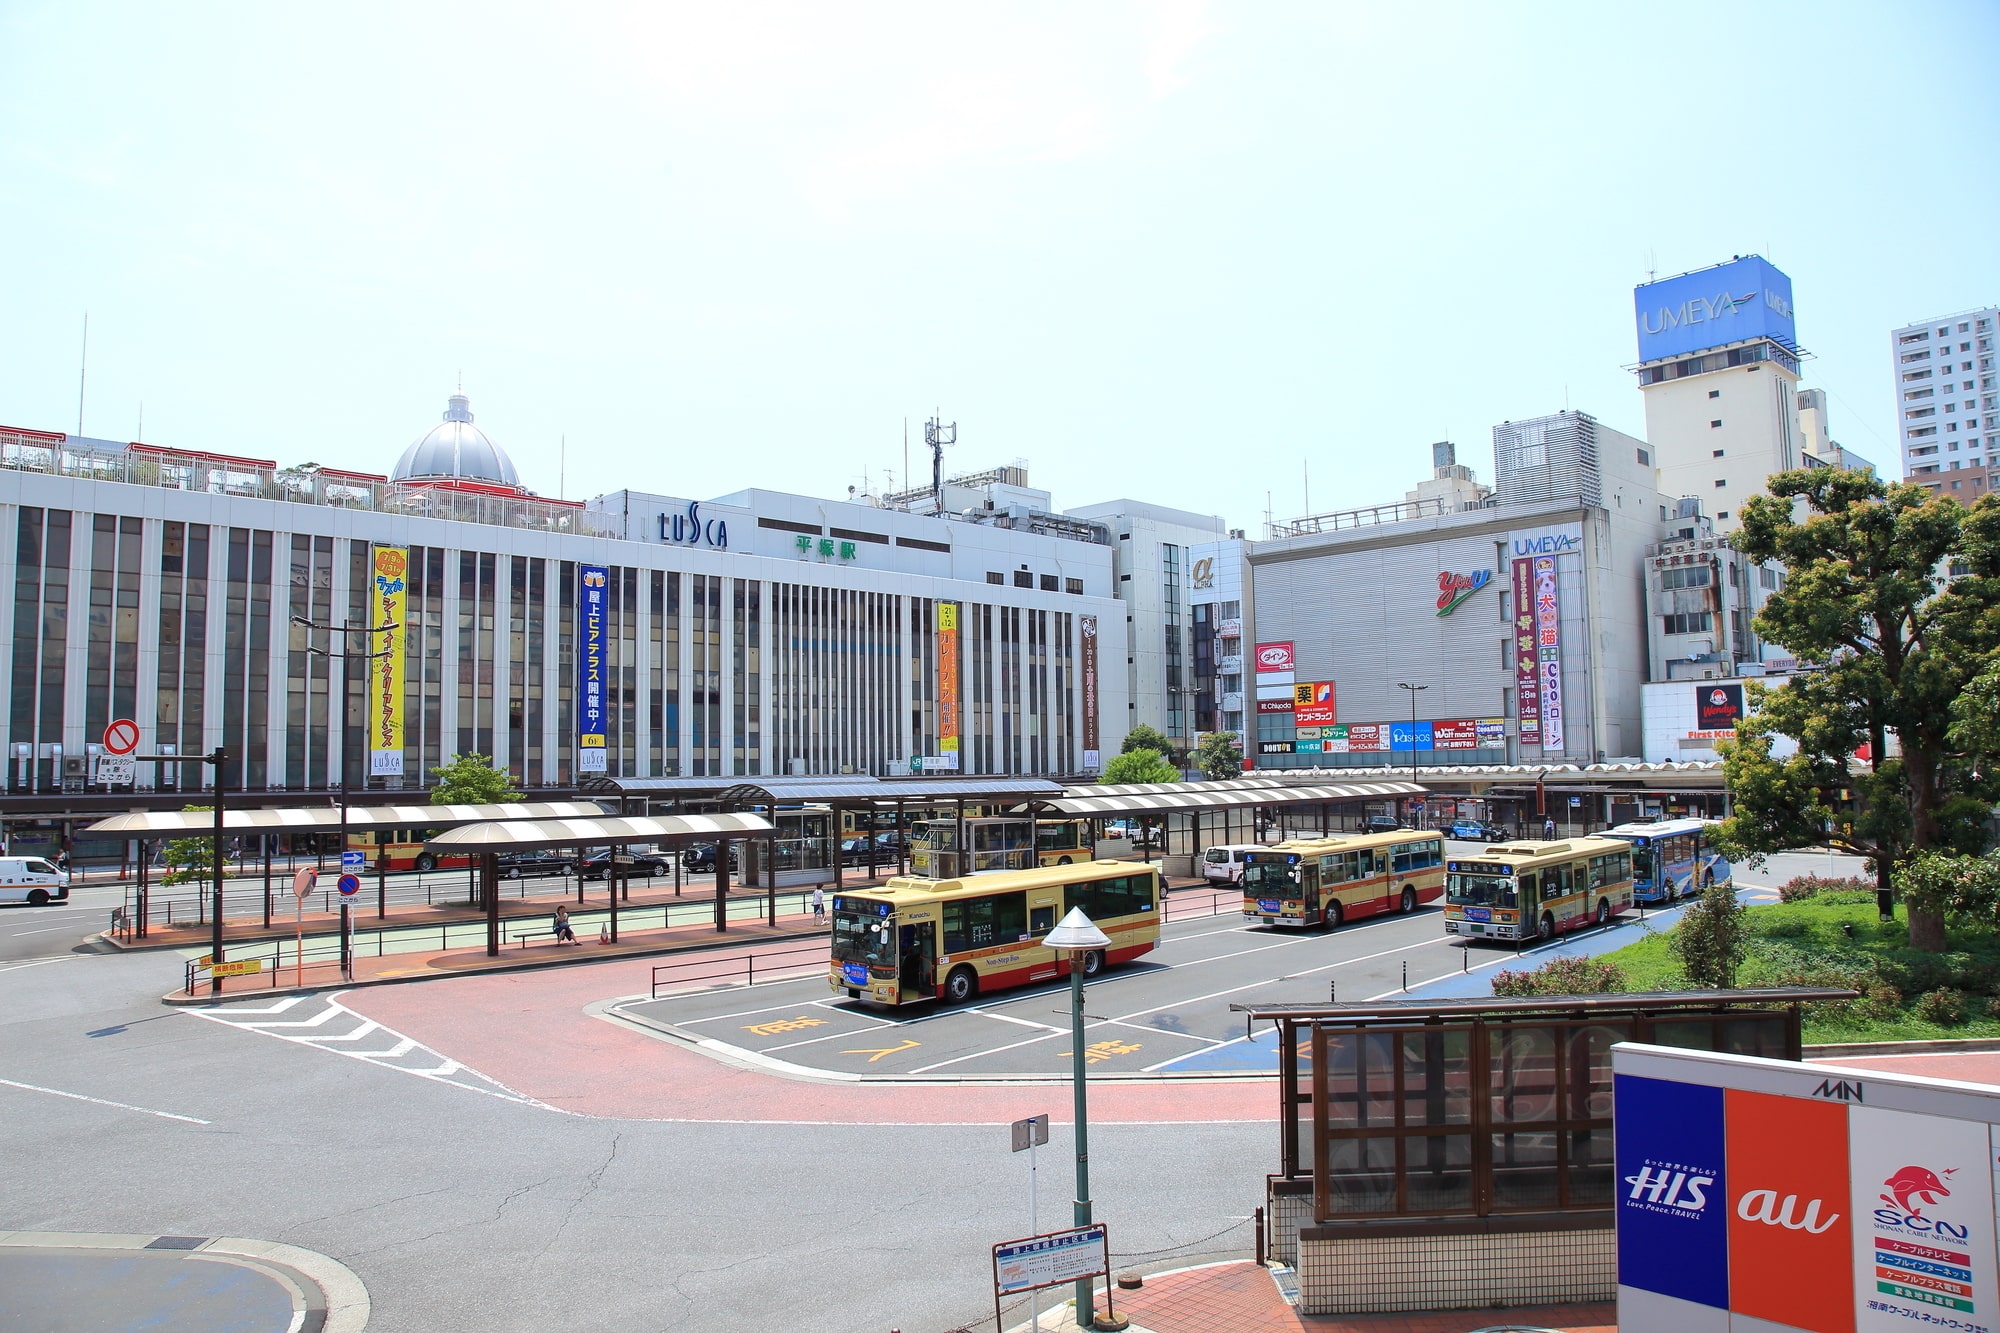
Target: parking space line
1266	981
1162	1032
824	1002
1050	1035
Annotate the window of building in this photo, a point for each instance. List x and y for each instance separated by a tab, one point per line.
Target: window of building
1686	576
1645	459
1716	453
1918	395
1124	578
1908	338
995	576
1048	583
1715	393
1687	622
1713	424
1073	586
1023	579
1723	516
1961	328
1915	375
1720	482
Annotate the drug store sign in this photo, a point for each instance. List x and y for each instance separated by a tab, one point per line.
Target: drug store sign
1752	1189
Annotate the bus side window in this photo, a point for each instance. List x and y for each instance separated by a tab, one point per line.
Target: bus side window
1041	920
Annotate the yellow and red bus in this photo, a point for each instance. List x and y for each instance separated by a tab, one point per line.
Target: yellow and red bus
952	939
1307	882
1538	890
403	849
997	842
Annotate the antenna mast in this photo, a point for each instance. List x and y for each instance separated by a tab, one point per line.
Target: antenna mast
937	435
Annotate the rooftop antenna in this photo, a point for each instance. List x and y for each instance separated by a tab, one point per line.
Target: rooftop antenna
906	456
1306	484
82	366
562	461
142	421
937	435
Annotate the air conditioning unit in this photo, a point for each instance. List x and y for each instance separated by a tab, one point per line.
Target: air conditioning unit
76	766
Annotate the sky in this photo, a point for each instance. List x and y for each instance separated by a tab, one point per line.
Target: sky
1232	258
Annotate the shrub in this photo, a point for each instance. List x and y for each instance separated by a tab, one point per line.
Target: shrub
1945	1007
1709	941
1782	928
1809	886
1562	976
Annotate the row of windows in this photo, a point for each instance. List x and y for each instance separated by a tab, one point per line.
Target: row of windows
1025	579
1687	622
1002	918
1686	576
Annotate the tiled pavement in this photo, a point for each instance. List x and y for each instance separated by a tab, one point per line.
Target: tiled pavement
1240	1297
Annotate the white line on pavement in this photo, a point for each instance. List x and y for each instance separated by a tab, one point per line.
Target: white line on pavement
100	1101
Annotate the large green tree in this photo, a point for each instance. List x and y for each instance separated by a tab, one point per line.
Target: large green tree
1891	603
1139	766
1143	737
471	779
1219	756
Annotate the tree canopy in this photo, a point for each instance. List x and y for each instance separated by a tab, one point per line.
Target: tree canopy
1139	766
1143	737
190	860
471	779
1219	756
1891	603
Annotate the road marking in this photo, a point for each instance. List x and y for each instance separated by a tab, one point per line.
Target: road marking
874	1055
43	931
100	1101
36	962
1099	1051
783	1025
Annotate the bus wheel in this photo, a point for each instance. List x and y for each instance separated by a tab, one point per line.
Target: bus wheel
1603	911
1062	860
1546	930
961	985
1409	901
37	898
426	862
1333	916
1093	962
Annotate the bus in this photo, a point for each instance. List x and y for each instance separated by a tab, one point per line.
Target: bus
1673	858
1538	890
1305	882
997	842
404	849
952	939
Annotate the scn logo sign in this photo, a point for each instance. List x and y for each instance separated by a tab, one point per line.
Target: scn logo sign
1839	1090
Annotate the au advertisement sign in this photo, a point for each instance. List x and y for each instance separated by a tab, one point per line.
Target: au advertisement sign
590	667
1789	1198
1730	303
388	597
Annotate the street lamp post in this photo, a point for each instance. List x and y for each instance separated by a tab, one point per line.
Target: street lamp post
1077	936
1414	690
214	757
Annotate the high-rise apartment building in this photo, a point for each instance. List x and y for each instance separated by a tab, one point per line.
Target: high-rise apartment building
1948	402
1719	365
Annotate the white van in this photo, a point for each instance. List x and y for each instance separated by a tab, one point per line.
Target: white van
30	879
1224	864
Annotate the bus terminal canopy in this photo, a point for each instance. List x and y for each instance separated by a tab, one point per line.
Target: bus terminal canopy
537	835
316	818
1197	796
843	788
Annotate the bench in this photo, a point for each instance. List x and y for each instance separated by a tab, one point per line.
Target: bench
525	935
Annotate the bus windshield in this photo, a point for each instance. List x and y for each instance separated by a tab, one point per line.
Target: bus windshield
1480	890
867	939
1268	875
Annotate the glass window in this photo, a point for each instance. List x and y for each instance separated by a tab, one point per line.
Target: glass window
978	923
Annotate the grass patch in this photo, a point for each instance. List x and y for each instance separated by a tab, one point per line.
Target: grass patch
1834	939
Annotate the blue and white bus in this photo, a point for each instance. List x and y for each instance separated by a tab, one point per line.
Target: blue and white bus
1672	858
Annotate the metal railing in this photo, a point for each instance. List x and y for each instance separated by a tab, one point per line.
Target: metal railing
808	954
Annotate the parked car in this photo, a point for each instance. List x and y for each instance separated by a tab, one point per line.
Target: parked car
1381	824
700	857
1224	864
532	865
629	863
32	880
888	849
1468	830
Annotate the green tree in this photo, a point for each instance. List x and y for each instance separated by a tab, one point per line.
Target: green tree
1139	766
1709	941
1143	737
1892	605
190	860
1219	756
471	779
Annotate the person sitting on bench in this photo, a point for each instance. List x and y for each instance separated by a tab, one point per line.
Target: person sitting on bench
563	930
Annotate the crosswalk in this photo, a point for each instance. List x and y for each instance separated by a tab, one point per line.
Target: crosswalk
324	1023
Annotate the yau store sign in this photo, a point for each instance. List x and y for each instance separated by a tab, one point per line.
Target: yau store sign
1767	1195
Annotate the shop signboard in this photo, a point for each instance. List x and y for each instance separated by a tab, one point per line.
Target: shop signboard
1274	747
1275	656
1310	733
1283	705
385	673
590	667
1527	662
1804	1196
1313	703
1410	736
947	683
1492	733
1333	739
1455	734
1718	707
1367	738
1548	647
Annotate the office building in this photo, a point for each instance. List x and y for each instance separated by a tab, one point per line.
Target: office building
1948	402
1719	367
1816	436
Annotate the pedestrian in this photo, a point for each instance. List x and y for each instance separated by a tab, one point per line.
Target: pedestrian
563	928
1549	828
819	903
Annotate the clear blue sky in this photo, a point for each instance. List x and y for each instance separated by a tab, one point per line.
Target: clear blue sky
1173	251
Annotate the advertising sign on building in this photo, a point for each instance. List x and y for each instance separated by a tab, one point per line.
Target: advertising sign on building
1367	738
1804	1196
1313	704
1274	747
1548	647
947	684
1718	707
1275	705
1410	736
388	591
591	704
1527	662
1275	656
1729	303
1455	588
1092	751
1492	733
1455	734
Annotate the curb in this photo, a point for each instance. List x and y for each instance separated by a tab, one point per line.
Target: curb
1936	1046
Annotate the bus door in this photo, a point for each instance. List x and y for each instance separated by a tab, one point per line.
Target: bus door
916	953
1531	906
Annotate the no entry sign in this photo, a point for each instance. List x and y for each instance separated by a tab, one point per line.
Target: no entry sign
122	736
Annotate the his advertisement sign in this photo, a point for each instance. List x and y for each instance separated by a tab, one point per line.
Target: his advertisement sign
591	705
387	598
1717	707
1313	704
1804	1196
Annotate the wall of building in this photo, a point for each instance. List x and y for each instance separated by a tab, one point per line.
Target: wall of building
1684	719
1948	402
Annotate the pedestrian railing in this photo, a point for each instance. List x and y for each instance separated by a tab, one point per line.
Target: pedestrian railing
742	968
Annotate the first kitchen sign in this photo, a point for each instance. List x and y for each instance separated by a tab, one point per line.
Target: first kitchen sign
1808	1197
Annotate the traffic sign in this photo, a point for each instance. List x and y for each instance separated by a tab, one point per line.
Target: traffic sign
248	967
114	769
1031	1132
122	736
354	861
302	883
350	885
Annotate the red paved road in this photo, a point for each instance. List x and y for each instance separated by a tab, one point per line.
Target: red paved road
1966	1066
531	1032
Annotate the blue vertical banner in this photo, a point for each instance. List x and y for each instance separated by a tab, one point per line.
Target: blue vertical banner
1672	1208
590	702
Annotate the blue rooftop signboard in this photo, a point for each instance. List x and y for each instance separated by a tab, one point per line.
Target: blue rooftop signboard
1743	299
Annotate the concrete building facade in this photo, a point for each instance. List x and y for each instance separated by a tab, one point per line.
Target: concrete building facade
1948	402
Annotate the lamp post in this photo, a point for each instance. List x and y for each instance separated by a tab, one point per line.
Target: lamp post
215	757
1414	690
1077	936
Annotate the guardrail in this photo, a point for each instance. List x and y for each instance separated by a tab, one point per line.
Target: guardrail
809	953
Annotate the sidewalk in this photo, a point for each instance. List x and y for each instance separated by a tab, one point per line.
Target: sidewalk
1240	1297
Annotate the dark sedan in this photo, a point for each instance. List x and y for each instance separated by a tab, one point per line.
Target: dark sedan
532	865
700	858
629	863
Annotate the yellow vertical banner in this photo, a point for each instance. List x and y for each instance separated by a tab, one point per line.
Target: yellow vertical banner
947	691
387	600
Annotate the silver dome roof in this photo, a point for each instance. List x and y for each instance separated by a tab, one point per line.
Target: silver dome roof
457	449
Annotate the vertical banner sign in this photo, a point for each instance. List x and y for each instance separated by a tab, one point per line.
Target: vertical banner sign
1671	1191
1527	662
590	701
1548	646
1789	1210
1092	755
385	676
1923	1224
947	690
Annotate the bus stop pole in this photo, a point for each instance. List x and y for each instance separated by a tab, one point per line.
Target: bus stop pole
722	885
489	881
